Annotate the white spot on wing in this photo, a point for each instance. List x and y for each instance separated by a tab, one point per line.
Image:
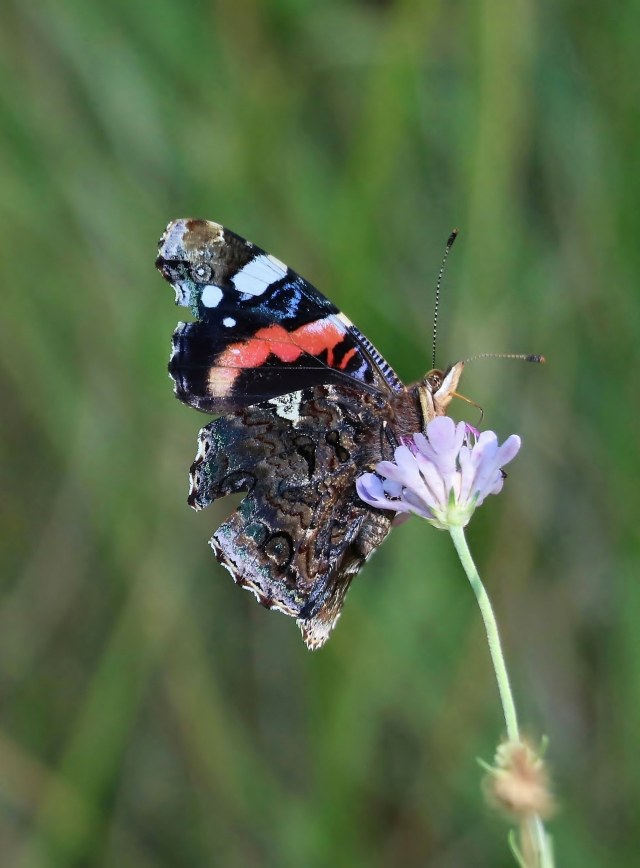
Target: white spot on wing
220	381
258	274
288	406
228	321
211	295
277	263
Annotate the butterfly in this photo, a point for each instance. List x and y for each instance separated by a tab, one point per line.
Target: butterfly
306	404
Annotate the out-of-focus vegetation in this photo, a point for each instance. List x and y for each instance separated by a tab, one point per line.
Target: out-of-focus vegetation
152	714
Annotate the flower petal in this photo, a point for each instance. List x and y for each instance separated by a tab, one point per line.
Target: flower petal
488	478
509	449
370	489
441	434
417	504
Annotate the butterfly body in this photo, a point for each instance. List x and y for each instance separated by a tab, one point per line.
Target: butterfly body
308	405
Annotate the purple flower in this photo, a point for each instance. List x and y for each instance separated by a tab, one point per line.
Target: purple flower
442	477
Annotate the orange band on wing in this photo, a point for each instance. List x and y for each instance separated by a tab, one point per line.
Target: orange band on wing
312	338
347	358
274	340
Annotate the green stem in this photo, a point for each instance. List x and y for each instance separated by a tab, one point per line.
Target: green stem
542	848
493	637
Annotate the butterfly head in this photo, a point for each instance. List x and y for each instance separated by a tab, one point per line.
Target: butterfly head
436	389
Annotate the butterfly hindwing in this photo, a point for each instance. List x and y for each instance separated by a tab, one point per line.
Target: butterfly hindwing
301	533
261	330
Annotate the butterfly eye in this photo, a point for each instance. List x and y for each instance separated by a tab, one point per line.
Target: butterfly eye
201	273
435	379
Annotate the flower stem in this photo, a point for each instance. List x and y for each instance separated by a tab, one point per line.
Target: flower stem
534	833
493	637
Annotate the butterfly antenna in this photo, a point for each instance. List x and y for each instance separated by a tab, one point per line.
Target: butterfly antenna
523	357
450	241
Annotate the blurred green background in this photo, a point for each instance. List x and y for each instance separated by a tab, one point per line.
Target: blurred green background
151	714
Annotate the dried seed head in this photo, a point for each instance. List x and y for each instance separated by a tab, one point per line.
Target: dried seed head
518	783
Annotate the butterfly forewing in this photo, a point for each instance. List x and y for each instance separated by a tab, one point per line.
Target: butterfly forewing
261	330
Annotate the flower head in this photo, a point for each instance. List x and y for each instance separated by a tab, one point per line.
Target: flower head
442	476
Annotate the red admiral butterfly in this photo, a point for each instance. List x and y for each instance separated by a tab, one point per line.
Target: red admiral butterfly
310	404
